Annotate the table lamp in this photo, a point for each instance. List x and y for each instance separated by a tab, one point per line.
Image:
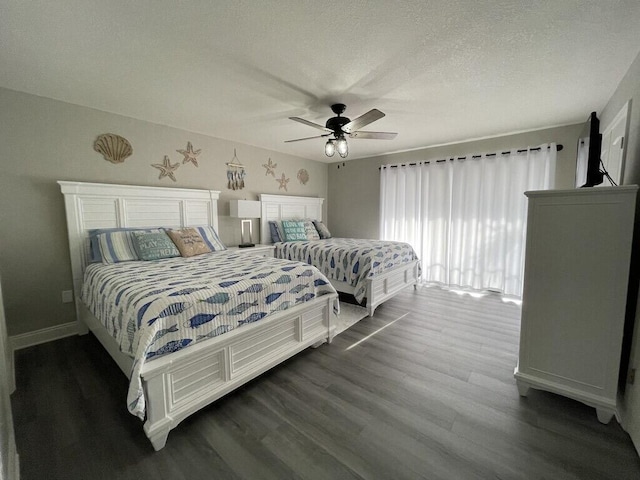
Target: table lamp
245	209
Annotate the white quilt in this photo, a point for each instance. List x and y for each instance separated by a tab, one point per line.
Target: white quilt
157	307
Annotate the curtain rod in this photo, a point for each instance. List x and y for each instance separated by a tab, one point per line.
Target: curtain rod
559	147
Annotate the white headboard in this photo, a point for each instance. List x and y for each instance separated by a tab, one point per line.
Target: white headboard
285	207
100	205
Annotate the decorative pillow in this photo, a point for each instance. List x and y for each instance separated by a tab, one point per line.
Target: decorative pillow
117	246
211	238
293	230
154	245
189	242
323	231
310	230
277	235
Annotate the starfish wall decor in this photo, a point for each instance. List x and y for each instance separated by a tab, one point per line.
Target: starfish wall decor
270	167
190	154
283	182
166	168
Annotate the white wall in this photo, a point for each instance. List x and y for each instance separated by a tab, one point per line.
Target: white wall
629	89
45	140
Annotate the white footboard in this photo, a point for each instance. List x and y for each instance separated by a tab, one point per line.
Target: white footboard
384	286
182	383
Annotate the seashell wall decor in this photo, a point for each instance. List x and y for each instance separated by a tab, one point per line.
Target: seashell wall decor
303	176
112	147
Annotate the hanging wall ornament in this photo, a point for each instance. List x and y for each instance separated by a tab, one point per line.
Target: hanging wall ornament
190	154
166	168
283	182
270	166
303	176
235	173
113	148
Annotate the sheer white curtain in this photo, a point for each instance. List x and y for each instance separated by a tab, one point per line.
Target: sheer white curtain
466	218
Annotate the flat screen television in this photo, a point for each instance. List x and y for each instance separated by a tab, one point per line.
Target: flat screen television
588	172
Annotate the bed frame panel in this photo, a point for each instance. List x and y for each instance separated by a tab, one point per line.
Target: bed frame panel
379	288
183	382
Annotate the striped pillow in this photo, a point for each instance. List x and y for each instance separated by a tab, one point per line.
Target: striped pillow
118	246
211	238
94	245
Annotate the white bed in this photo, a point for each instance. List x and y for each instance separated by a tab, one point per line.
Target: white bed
179	384
379	287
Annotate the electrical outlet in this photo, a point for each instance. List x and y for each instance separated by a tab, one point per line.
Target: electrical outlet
67	296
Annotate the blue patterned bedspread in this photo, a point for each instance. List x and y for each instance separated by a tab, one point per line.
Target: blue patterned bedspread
157	307
349	260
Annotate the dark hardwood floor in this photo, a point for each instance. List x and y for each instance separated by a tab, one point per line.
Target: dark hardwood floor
424	389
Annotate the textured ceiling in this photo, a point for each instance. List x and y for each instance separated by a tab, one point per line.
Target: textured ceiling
443	71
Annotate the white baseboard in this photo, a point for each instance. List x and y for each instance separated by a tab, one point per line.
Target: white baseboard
44	335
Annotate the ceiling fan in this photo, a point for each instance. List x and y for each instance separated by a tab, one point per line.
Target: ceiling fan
340	127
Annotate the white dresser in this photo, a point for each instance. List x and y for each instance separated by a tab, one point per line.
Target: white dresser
575	289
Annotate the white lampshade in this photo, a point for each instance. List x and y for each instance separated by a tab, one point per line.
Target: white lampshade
245	208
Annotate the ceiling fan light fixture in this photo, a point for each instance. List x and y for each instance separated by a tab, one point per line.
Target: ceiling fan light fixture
340	126
330	147
342	147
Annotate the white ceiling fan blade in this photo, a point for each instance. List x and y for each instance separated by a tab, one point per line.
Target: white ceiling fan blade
374	135
311	124
362	120
307	138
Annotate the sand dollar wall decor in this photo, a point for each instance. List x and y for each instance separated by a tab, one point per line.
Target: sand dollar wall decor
112	147
303	176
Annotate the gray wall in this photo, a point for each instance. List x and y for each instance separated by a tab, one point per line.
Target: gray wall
356	183
45	140
629	89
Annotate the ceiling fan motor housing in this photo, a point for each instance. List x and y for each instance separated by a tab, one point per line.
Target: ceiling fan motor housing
336	124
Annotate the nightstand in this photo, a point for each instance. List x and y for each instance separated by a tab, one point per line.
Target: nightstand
262	250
